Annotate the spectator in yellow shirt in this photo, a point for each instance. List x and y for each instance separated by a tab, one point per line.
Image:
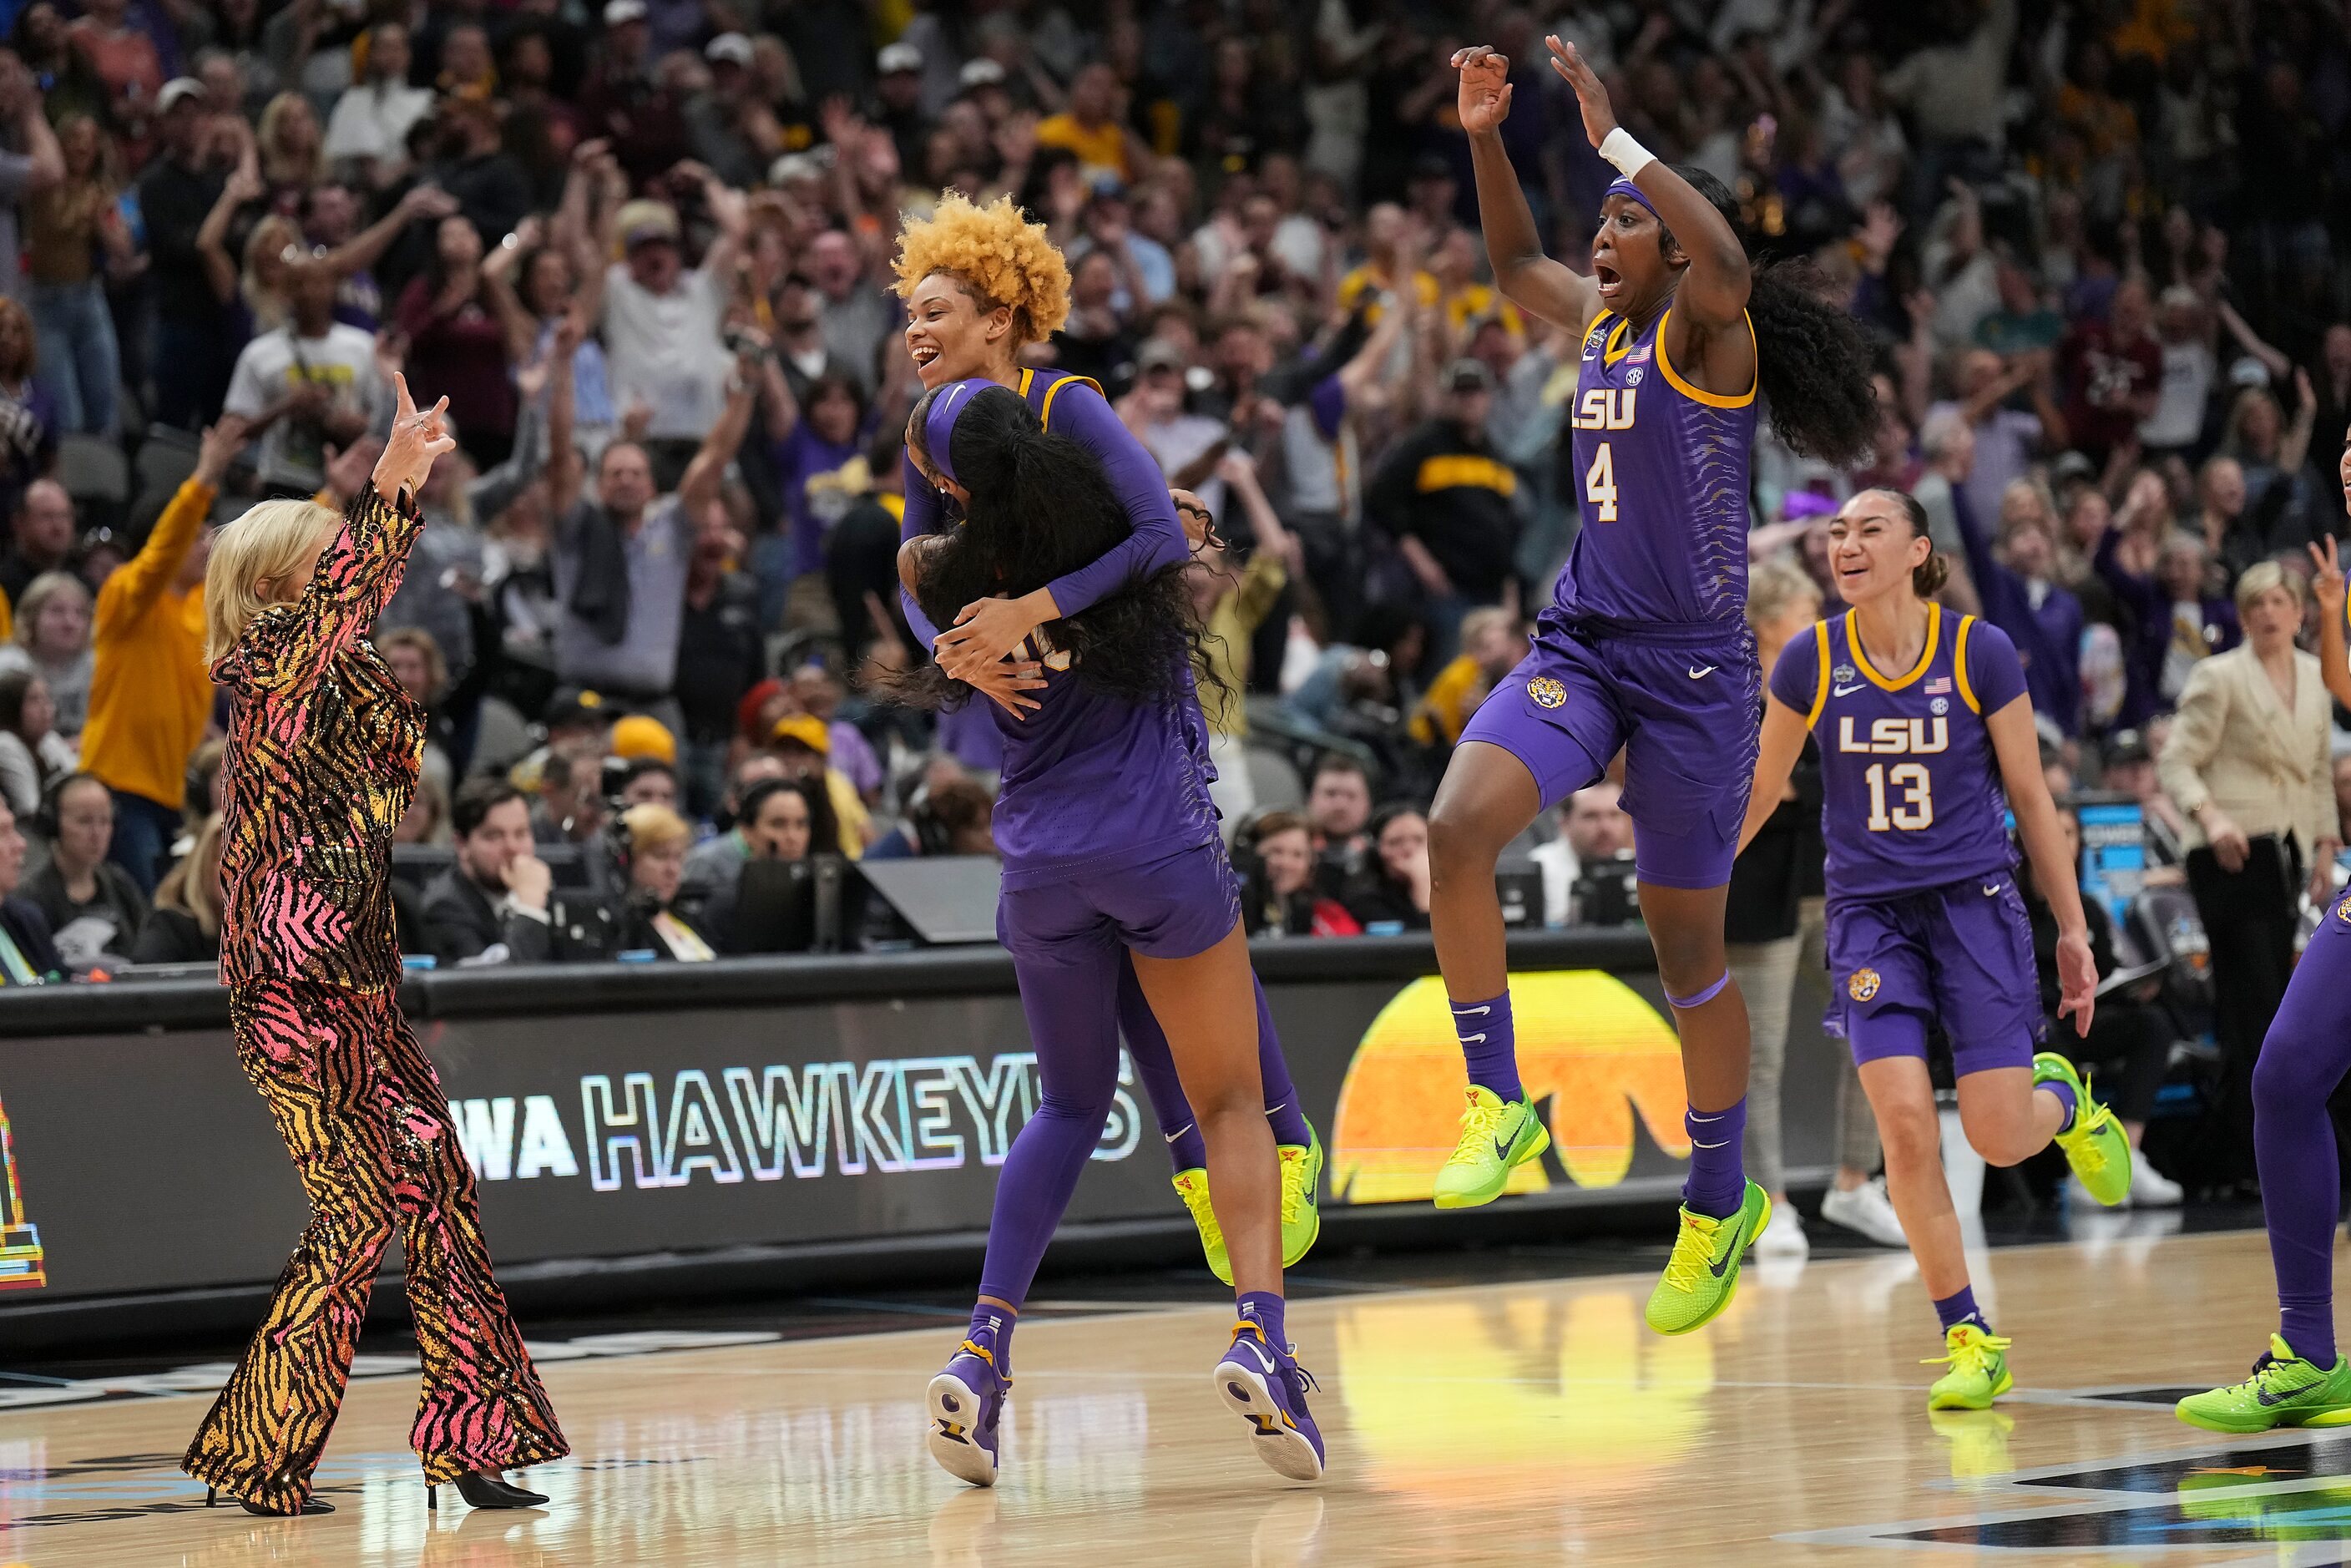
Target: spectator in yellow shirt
1091	128
1387	250
1233	602
151	694
1492	642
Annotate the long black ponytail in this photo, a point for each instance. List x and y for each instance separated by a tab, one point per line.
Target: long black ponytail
1042	506
1811	362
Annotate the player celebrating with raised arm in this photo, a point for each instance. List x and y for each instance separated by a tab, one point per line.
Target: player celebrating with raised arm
2301	1381
1644	646
1925	737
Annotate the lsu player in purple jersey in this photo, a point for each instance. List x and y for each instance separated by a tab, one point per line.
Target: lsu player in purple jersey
1644	647
1112	867
1926	741
983	284
2302	1380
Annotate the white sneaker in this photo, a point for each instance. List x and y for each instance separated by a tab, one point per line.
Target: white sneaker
1784	1236
1866	1210
2150	1187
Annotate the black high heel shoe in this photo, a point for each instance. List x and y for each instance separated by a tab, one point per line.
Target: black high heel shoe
480	1488
310	1505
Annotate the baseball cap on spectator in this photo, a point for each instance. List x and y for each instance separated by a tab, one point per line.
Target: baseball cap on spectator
1158	354
2249	372
979	73
579	711
803	729
899	56
729	49
2072	465
809	165
638	735
620	13
2128	746
643	222
177	88
1107	187
1468	375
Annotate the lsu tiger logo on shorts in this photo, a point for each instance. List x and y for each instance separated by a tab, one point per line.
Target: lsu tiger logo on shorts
1863	986
2343	910
1547	693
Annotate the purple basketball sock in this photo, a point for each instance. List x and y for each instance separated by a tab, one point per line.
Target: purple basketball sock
1717	1184
1490	1043
1281	1106
2065	1101
991	1331
1959	1307
1264	1308
2303	1058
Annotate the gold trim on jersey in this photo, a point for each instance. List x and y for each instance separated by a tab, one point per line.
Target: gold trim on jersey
1960	665
1698	395
1820	687
1925	655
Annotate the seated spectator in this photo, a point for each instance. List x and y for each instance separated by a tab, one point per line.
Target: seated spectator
571	806
90	903
804	744
649	782
183	927
953	817
784	820
27	956
1493	644
53	641
1338	810
714	864
426	821
820	693
1594	830
2131	1036
1392	892
1275	859
2130	769
499	893
656	839
41	541
33	755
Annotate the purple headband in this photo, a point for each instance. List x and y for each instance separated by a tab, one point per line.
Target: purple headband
938	425
1622	186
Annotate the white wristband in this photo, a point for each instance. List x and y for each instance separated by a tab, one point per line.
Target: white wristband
1629	156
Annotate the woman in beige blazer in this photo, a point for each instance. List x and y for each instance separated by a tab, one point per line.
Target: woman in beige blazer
2248	765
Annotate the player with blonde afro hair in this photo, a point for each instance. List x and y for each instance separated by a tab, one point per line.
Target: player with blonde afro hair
982	285
1014	287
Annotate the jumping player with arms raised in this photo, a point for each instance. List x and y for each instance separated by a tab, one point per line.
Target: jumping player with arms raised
1644	647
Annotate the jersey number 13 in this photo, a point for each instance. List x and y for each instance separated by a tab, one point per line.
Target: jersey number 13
1916	809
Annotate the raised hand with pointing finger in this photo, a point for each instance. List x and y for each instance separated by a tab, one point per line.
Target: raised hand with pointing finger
417	438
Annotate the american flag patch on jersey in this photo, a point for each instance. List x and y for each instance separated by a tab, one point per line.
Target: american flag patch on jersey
1939	689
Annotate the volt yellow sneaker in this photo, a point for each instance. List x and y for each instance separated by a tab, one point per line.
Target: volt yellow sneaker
1702	1275
2095	1146
1495	1137
2284	1391
1192	1187
1979	1371
1302	1200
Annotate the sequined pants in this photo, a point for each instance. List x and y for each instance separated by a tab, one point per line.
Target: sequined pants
362	1112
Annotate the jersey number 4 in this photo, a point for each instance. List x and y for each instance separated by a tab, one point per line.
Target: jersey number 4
1916	785
1599	484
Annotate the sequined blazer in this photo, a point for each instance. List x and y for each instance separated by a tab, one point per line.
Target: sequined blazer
324	745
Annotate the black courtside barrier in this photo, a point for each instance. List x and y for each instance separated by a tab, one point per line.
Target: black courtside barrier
645	1130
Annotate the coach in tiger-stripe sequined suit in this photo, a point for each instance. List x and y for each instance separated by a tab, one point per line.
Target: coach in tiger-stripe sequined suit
323	752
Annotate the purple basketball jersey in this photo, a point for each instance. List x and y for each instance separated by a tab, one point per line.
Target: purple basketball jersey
1911	796
1661	473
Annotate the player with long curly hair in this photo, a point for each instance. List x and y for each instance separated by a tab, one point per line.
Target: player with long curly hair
1644	647
1114	875
982	284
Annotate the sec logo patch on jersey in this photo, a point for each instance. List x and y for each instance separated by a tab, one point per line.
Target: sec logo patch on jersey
1547	692
1863	986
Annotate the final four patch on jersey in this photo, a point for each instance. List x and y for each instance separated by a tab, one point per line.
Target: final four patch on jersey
1842	675
1863	986
1547	693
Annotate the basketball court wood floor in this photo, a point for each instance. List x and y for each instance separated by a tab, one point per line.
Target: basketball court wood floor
1527	1423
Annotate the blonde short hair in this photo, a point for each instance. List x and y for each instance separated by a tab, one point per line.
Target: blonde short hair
187	888
2260	578
1774	588
652	826
38	594
265	546
997	254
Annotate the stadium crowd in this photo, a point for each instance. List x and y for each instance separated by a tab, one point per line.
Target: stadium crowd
644	251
